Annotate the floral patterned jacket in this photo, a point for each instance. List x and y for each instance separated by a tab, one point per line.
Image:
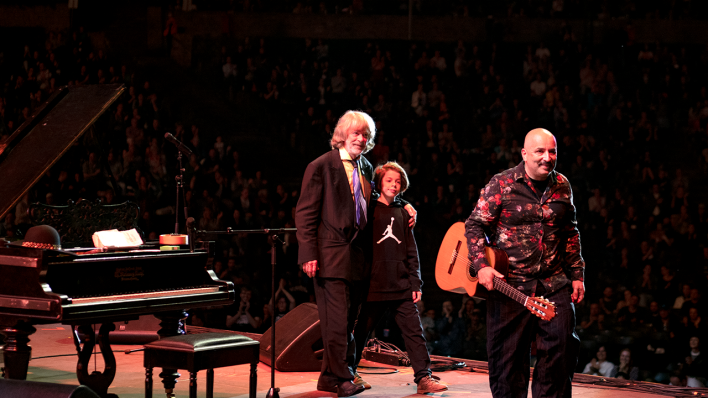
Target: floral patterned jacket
540	236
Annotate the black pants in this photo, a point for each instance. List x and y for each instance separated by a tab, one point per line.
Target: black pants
338	303
510	330
408	320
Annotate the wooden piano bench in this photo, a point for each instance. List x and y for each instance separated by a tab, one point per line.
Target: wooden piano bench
195	352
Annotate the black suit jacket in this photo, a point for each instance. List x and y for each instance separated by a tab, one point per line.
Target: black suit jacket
326	218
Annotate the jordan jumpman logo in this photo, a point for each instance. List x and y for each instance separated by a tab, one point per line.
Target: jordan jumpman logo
389	233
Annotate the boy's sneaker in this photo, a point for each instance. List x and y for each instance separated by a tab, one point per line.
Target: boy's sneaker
360	382
429	384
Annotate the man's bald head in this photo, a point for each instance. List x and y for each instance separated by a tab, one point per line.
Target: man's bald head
533	137
539	153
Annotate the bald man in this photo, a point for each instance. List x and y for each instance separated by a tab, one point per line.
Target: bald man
528	212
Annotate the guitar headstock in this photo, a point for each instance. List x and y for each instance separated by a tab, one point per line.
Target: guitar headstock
541	307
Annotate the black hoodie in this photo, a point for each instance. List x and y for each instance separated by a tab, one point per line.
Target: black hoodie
395	269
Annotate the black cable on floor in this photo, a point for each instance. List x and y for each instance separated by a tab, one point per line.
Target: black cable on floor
388	371
443	365
74	354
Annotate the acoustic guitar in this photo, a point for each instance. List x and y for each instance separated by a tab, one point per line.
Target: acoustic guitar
454	272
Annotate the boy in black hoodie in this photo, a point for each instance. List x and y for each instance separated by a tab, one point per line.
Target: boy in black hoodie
395	282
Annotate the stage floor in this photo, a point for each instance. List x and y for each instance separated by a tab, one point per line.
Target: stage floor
52	340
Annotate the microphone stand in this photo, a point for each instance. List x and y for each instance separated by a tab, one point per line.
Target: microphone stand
273	234
180	187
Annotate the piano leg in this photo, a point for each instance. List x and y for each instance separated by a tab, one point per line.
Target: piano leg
172	324
97	381
16	352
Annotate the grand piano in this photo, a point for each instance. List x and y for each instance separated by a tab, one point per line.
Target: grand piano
42	286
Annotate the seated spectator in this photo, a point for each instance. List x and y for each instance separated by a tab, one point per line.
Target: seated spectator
646	284
475	343
418	100
667	323
684	297
599	366
427	319
625	369
693	324
654	315
285	301
267	320
594	322
450	330
608	302
694	302
243	317
668	286
678	379
627	294
632	316
695	365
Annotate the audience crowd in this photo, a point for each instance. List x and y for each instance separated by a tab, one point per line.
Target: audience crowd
632	130
576	9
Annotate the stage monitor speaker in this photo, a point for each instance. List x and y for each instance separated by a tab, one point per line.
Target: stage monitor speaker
298	341
33	389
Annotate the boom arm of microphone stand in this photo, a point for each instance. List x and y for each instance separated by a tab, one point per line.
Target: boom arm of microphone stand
230	231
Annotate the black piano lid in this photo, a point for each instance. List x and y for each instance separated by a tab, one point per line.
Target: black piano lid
41	141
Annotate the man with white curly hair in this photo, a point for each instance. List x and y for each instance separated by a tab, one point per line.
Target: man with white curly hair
330	217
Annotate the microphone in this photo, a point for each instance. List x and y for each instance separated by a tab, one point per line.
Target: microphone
180	146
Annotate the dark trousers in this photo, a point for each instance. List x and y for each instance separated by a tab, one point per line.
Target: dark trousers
510	330
338	303
408	319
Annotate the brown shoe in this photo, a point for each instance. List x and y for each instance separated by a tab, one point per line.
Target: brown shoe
360	382
428	385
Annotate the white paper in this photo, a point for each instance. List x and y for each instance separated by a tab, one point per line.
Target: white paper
116	238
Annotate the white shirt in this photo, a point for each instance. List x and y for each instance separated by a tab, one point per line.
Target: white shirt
605	369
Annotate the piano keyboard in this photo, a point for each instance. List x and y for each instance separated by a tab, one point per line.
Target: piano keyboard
145	295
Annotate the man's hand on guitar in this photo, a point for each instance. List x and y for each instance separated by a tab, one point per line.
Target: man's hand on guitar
578	291
310	268
486	277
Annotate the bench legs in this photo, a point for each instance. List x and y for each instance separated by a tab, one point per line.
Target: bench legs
148	382
192	384
210	383
252	381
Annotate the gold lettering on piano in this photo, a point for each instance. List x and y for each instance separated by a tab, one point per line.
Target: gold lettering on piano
129	273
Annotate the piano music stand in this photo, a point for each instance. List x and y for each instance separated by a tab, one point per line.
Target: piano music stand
273	233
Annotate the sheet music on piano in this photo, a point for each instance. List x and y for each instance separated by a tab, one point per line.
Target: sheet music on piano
117	239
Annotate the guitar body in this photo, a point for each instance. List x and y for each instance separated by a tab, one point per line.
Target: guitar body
452	270
454	273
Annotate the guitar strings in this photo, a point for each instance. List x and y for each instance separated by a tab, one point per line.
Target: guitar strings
469	265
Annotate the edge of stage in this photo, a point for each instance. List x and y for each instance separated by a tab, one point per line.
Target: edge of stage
54	360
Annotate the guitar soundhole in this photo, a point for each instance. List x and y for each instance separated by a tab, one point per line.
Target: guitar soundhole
473	272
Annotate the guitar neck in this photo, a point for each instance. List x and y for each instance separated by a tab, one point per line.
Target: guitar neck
509	291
